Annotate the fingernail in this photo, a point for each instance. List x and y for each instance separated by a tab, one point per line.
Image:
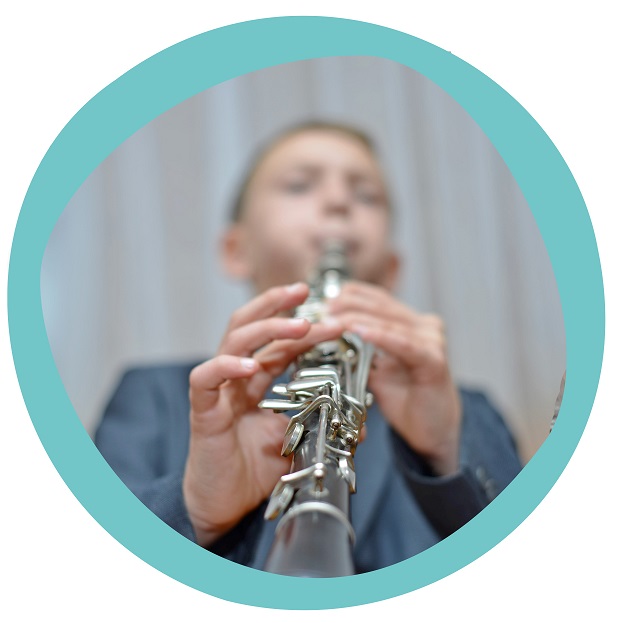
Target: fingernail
247	363
297	322
294	287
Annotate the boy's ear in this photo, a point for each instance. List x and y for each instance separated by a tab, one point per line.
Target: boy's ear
233	253
392	271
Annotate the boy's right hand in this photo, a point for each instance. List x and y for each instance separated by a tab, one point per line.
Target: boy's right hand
234	457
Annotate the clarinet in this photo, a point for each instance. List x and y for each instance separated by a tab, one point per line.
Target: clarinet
328	393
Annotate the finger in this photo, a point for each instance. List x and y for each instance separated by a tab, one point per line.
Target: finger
371	292
257	386
245	340
422	352
377	301
275	357
429	326
363	433
270	303
379	305
382	311
206	379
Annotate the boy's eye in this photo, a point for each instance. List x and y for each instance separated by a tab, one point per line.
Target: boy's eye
367	196
298	186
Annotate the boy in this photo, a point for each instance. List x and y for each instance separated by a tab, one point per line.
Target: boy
191	442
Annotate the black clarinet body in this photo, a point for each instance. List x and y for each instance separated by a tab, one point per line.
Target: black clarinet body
328	393
314	541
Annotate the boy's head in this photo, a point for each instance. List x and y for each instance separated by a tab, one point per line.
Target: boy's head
313	182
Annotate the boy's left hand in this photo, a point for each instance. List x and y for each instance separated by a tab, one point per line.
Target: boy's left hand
410	377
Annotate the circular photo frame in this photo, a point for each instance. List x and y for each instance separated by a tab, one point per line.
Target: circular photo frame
195	65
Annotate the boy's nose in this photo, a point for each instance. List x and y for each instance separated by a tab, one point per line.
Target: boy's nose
337	199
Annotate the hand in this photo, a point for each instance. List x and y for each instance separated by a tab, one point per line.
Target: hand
234	456
410	377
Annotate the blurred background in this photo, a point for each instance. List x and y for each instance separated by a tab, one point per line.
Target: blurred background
131	274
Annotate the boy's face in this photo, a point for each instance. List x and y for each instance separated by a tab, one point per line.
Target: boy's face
312	186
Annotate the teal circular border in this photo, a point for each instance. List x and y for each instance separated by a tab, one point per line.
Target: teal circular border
186	69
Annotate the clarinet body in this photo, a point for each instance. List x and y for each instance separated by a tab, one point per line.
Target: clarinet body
328	393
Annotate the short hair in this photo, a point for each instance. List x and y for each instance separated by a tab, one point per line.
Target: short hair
331	126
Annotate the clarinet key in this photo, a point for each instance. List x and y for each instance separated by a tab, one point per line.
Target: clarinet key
292	437
346	467
280	405
279	500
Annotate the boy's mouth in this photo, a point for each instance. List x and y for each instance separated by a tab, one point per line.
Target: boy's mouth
349	244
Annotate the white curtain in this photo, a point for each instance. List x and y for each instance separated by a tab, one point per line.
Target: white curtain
131	274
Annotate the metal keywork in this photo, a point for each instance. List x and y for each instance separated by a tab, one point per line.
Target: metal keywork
327	400
335	417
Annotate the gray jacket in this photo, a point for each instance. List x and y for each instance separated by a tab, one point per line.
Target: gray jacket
400	508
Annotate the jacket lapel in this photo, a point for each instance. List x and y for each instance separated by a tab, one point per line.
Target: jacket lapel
373	462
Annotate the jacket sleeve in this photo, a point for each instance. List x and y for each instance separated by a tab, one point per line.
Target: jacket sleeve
143	436
488	463
131	438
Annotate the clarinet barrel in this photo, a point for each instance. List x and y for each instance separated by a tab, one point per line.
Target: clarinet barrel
327	392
